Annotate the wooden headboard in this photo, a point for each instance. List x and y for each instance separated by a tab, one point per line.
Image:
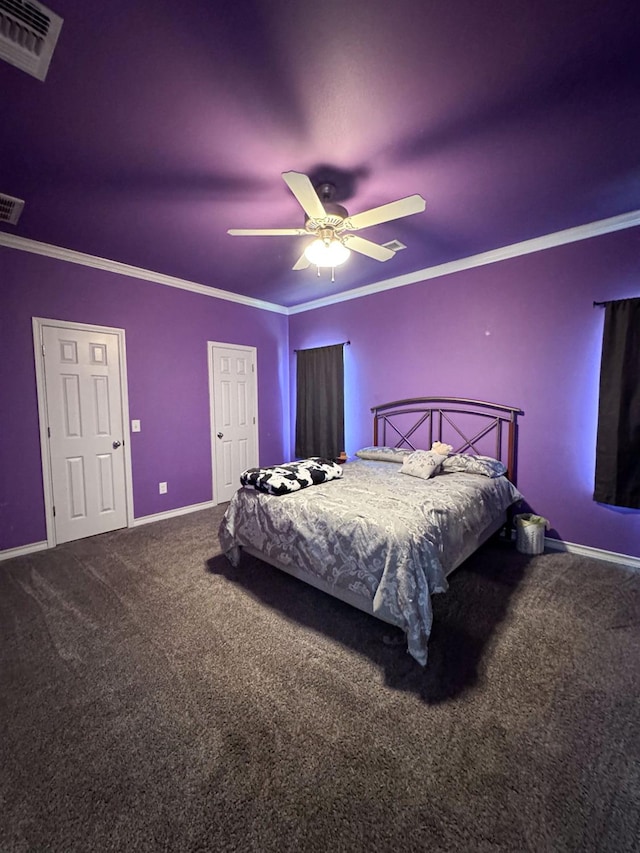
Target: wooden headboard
471	426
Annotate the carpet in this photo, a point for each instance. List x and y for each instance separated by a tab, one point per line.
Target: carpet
154	698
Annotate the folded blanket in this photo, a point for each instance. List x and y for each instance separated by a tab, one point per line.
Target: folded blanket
282	479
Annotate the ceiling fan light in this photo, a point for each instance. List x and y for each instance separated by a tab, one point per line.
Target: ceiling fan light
326	254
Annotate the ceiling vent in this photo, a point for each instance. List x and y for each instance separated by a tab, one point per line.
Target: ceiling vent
10	209
28	34
394	245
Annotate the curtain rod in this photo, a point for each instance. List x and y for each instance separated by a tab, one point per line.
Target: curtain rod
341	344
611	301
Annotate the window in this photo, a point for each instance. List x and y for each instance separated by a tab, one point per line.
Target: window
320	402
618	441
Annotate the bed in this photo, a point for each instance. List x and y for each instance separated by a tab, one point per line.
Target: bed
380	540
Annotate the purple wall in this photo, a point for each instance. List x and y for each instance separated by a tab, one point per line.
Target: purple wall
166	337
522	332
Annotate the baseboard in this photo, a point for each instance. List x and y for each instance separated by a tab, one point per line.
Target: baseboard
594	553
172	513
552	544
10	553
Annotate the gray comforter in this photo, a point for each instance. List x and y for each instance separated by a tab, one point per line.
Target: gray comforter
375	532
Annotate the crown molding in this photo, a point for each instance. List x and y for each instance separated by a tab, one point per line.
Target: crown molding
23	244
526	247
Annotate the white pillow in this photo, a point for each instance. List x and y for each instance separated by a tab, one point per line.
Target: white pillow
486	466
383	454
422	463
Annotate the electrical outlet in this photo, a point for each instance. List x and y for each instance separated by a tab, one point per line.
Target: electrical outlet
162	488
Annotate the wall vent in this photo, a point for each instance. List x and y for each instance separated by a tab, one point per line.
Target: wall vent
394	245
10	209
28	35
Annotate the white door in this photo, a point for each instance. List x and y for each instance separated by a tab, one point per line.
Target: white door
234	416
85	431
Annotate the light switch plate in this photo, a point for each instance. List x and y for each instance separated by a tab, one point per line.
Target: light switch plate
162	488
135	426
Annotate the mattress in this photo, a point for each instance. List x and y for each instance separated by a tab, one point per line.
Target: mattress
375	537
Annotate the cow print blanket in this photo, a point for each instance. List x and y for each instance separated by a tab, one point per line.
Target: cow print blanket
282	479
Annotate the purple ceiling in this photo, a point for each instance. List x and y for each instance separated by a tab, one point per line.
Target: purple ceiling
161	125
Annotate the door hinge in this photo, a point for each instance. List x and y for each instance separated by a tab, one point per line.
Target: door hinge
54	512
254	420
253	368
43	350
48	432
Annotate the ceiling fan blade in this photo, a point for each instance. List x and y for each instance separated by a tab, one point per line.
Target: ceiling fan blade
267	232
386	212
366	247
303	190
302	263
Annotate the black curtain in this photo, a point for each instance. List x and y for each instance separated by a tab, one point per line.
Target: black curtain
320	402
618	442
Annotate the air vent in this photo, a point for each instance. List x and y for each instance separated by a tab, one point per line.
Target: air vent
10	209
394	245
28	34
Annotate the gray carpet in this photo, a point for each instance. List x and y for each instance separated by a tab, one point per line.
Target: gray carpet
155	699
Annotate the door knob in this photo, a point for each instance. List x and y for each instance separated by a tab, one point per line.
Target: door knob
116	445
220	434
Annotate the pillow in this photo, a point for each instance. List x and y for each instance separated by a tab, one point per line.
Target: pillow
422	463
383	454
282	479
484	465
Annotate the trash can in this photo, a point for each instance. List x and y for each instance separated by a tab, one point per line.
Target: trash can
530	531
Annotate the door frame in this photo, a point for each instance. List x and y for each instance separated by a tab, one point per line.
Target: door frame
212	412
41	390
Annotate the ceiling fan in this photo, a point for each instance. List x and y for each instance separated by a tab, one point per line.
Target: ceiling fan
329	223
